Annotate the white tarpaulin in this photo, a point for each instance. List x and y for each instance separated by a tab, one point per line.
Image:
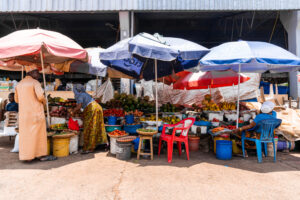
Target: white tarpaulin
248	90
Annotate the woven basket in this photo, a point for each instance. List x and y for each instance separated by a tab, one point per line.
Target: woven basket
146	133
50	134
126	139
118	136
68	135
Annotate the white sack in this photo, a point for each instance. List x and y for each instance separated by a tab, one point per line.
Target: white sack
248	89
9	131
74	141
16	146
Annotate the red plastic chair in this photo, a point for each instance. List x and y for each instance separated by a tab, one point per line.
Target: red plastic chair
183	126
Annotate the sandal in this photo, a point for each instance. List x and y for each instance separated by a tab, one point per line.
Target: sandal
48	158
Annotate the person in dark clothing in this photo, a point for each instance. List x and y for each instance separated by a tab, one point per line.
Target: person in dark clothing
12	105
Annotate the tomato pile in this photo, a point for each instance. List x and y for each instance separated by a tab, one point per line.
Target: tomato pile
113	112
215	120
230	127
117	133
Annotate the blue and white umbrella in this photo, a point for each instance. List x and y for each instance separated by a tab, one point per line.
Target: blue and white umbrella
248	56
135	56
251	56
160	56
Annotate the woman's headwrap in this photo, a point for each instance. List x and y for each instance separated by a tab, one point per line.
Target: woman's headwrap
77	89
267	107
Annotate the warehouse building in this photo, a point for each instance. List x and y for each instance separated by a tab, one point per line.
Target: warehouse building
207	22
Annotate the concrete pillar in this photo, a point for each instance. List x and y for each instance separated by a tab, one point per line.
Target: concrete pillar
291	23
124	18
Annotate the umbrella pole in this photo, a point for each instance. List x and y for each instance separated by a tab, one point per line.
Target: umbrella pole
44	80
156	97
238	98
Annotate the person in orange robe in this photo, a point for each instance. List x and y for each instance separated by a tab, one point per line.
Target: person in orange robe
32	123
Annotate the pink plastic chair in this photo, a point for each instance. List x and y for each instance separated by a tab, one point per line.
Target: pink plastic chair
183	126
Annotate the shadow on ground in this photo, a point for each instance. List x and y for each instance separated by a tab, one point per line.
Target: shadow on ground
285	161
10	160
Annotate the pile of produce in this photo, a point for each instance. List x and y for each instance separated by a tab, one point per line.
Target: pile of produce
146	130
230	127
209	105
169	108
151	118
136	113
227	106
54	100
131	103
59	112
113	112
117	133
68	103
171	120
59	126
215	120
218	129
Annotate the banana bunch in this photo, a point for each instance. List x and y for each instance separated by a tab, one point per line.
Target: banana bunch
227	106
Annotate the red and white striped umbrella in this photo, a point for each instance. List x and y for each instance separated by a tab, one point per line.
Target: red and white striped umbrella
211	79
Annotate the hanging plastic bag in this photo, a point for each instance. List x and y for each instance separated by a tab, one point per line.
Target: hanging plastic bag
73	125
106	91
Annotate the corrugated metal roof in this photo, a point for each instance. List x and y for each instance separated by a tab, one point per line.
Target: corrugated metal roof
144	5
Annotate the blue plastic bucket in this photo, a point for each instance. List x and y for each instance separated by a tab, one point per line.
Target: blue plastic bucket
224	149
129	119
112	120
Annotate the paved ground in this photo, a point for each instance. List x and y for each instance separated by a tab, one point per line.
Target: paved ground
100	176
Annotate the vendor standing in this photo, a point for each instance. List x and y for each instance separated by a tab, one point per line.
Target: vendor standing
93	123
32	124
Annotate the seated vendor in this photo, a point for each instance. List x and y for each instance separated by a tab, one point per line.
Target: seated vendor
267	112
12	105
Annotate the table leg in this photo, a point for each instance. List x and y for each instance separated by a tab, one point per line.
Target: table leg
139	149
151	147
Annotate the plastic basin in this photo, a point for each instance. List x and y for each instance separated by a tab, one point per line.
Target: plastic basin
131	129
